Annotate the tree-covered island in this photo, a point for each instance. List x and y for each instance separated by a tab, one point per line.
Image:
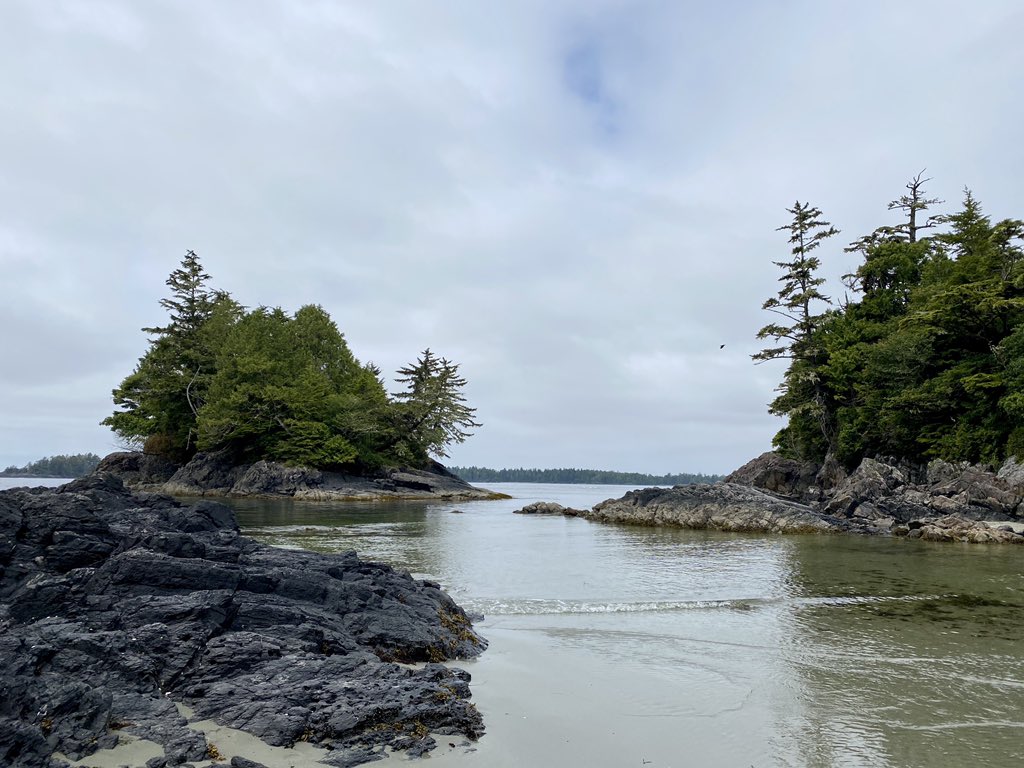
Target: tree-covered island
265	385
923	358
61	465
904	401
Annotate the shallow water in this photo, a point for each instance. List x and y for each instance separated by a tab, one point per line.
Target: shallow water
616	646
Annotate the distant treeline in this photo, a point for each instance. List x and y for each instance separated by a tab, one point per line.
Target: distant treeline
582	476
56	466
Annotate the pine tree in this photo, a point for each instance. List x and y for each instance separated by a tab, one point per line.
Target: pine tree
159	402
432	411
796	300
803	395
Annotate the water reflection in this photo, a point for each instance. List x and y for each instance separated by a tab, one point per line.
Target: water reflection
925	669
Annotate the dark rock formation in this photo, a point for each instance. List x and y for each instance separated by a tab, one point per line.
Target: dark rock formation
548	508
114	606
878	490
721	507
778	476
937	502
952	528
139	470
218	474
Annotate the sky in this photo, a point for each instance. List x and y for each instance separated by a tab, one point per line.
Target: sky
576	201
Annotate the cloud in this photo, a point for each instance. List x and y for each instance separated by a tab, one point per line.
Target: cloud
575	201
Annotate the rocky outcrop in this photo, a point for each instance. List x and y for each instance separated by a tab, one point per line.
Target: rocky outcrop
547	508
139	470
937	502
878	490
952	528
778	476
219	474
114	606
722	507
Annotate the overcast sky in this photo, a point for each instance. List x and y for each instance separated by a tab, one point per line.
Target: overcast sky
576	201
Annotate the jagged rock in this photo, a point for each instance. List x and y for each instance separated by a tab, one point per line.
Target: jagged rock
830	474
217	474
880	497
940	471
114	606
722	506
213	474
776	475
980	494
139	470
953	528
877	489
873	491
1012	472
265	477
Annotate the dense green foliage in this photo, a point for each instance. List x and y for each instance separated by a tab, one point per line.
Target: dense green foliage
926	360
264	384
75	465
588	476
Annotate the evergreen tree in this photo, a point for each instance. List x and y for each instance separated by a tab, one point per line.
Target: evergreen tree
803	397
431	411
159	401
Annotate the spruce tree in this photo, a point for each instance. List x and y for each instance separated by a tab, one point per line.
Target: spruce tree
803	396
159	402
432	412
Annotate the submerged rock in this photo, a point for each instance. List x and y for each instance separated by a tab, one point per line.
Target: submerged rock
114	606
547	508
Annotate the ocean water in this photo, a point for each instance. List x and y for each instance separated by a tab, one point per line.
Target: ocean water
19	482
622	646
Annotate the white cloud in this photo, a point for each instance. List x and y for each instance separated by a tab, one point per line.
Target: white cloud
576	201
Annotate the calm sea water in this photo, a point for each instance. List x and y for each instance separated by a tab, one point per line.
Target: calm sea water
619	646
18	482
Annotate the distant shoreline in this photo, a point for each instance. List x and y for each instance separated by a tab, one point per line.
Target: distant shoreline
36	477
572	476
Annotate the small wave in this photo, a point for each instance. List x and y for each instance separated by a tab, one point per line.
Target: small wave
548	607
539	607
959	726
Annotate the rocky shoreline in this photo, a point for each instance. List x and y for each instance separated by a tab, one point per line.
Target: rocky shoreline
217	474
937	502
115	607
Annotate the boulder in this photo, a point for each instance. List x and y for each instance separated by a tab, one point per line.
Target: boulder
206	474
140	470
1012	473
115	606
782	477
548	508
266	477
873	491
954	528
